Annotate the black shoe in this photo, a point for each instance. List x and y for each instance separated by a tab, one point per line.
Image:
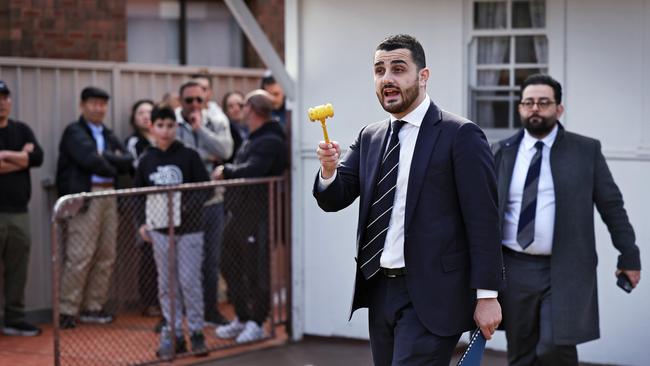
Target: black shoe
99	317
214	318
67	321
197	339
22	329
152	312
164	349
181	347
159	326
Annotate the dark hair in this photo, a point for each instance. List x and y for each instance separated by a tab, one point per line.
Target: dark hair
203	74
163	111
267	80
224	100
542	79
94	92
405	41
261	105
135	107
187	84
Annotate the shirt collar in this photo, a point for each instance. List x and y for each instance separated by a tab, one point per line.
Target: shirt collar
94	128
529	140
417	115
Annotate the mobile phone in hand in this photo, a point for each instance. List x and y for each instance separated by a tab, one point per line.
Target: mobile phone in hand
624	282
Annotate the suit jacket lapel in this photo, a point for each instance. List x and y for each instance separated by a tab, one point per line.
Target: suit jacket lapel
560	170
424	146
373	156
506	167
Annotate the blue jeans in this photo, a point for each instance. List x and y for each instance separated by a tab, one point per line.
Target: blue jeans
213	239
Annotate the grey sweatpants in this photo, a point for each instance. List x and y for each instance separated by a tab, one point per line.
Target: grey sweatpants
188	291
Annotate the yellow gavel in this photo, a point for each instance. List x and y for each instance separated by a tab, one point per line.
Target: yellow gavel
320	113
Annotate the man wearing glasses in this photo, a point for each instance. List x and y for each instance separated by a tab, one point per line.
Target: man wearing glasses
549	180
211	138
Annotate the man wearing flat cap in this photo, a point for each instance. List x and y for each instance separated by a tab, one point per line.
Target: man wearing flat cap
90	159
19	151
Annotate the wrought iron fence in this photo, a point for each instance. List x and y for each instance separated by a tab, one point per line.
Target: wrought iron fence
146	275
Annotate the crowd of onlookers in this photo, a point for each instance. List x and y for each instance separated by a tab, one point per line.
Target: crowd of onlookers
186	137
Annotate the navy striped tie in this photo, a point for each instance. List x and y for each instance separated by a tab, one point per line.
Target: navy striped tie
526	227
382	206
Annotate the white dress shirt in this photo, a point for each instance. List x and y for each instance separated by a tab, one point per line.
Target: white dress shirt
393	254
98	135
545	210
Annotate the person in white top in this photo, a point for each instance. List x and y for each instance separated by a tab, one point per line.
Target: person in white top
428	255
549	180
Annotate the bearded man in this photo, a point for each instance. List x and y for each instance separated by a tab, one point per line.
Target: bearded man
549	181
428	257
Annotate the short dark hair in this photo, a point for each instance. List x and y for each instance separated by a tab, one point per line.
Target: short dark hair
405	41
543	79
267	80
94	92
187	84
162	111
203	74
135	107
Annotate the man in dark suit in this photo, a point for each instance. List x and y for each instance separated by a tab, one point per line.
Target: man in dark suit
427	236
549	180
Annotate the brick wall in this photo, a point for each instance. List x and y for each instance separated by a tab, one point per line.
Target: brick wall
75	29
270	16
96	29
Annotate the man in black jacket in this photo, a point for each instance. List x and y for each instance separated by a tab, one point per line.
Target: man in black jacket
90	158
245	252
19	151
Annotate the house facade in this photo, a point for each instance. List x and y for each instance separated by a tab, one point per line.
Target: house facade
478	52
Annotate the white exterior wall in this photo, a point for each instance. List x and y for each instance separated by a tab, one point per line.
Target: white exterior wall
600	52
608	97
335	52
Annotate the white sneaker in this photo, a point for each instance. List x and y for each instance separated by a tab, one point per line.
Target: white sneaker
230	330
251	332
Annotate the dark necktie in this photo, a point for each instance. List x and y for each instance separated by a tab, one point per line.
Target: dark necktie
381	206
526	227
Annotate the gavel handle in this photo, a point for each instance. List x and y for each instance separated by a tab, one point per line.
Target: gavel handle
322	124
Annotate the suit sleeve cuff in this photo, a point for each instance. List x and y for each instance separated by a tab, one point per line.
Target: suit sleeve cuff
324	183
486	294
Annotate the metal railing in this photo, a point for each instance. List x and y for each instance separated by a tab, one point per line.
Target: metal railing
100	271
45	95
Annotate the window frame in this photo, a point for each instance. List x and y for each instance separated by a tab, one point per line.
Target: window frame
180	12
553	30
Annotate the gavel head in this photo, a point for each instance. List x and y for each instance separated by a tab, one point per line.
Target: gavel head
321	112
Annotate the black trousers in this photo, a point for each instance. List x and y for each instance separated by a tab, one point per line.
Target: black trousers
397	337
526	305
245	267
213	221
147	276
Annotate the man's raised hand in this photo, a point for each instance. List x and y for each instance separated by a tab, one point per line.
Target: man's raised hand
328	154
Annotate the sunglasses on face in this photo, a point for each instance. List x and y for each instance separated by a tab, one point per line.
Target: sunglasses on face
190	100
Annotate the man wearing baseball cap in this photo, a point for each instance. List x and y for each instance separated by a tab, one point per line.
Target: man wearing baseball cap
90	158
19	151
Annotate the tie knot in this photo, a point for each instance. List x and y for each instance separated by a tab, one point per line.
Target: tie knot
397	125
539	145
